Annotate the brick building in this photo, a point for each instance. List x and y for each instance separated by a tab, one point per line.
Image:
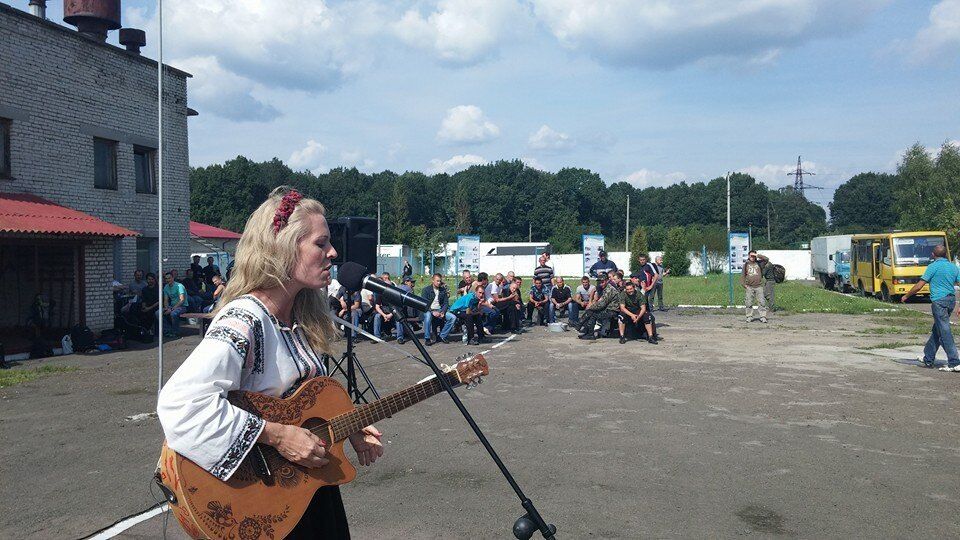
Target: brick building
78	166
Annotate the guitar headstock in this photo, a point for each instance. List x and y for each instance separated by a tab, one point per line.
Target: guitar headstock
469	370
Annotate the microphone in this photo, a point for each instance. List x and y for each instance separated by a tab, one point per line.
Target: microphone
354	277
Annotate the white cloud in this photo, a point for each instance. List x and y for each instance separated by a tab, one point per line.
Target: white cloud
223	93
939	40
547	138
776	175
461	32
307	157
467	124
456	163
645	178
533	163
354	158
664	34
308	45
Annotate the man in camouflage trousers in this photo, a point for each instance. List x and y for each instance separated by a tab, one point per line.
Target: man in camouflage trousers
602	310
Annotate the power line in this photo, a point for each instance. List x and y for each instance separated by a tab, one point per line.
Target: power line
798	185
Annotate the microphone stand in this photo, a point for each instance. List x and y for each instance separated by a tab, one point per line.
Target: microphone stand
527	524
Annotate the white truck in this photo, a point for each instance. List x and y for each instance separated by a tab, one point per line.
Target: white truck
823	251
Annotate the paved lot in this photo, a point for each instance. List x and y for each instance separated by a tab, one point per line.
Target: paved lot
725	429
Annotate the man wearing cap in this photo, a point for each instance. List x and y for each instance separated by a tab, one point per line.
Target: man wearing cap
602	310
603	265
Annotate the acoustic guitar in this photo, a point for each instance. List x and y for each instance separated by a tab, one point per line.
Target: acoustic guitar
267	495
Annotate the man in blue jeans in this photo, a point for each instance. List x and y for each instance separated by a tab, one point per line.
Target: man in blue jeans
439	301
941	274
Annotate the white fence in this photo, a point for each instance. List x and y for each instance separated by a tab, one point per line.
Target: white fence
796	261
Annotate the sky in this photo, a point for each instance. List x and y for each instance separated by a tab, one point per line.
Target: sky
651	92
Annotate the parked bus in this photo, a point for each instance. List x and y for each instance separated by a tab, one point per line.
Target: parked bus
888	265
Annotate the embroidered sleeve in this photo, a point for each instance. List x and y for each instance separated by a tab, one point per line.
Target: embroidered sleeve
198	421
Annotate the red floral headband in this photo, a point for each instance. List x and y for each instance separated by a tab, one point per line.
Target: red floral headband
287	206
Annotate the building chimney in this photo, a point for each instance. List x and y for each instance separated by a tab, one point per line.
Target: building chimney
38	8
133	39
93	18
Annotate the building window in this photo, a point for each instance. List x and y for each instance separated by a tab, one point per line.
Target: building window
104	163
143	168
5	171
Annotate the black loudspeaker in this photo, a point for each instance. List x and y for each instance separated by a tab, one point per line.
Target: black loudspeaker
355	239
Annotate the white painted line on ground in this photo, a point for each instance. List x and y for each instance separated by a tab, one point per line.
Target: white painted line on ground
699	306
125	524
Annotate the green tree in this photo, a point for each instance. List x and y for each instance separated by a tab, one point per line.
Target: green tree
675	252
917	199
638	245
864	203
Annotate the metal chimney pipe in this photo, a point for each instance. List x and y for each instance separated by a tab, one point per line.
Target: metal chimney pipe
38	8
93	18
133	39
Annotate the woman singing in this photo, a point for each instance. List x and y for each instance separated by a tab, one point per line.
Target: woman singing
270	328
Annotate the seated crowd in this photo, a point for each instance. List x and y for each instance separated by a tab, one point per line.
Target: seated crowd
139	304
614	306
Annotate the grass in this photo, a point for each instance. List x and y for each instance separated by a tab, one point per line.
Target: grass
792	296
889	345
10	377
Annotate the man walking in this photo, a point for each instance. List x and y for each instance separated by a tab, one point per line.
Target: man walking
941	274
752	280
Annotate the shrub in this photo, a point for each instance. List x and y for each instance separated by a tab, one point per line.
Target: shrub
675	252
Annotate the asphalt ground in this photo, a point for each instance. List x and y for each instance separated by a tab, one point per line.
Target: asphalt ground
725	429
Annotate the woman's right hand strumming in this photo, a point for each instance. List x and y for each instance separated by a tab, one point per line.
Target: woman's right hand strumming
295	443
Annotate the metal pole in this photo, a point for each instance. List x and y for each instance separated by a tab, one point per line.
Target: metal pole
378	230
729	259
529	231
768	223
750	234
160	187
626	232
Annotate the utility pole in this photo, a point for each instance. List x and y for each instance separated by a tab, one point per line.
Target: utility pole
529	231
798	185
729	259
768	222
626	233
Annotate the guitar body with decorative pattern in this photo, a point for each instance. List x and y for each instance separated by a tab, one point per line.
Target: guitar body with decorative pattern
267	495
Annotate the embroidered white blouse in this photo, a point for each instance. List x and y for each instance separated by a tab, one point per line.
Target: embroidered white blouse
245	348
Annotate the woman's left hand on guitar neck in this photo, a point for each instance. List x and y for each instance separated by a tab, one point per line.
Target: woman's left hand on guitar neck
367	444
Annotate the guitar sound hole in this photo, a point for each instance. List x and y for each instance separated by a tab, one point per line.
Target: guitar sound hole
320	428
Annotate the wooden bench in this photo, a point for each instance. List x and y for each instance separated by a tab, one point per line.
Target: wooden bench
202	318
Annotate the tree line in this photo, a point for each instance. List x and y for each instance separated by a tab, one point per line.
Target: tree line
924	194
509	201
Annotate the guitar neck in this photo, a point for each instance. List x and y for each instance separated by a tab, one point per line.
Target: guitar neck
349	423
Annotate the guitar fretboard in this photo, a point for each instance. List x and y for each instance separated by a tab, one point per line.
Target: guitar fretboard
364	415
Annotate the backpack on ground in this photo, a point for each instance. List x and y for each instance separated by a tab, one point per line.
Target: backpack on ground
83	338
779	273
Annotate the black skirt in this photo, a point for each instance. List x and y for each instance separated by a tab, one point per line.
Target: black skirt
325	517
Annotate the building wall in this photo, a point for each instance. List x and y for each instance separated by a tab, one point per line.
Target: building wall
61	90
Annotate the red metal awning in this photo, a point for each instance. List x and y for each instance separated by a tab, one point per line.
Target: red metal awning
27	213
202	230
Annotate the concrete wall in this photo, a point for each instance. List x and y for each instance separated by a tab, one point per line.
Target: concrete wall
797	263
60	90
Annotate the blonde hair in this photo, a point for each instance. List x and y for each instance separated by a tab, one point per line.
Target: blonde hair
265	260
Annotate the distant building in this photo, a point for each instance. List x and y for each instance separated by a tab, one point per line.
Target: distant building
78	164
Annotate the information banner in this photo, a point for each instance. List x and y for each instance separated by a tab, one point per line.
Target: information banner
739	251
592	246
468	254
